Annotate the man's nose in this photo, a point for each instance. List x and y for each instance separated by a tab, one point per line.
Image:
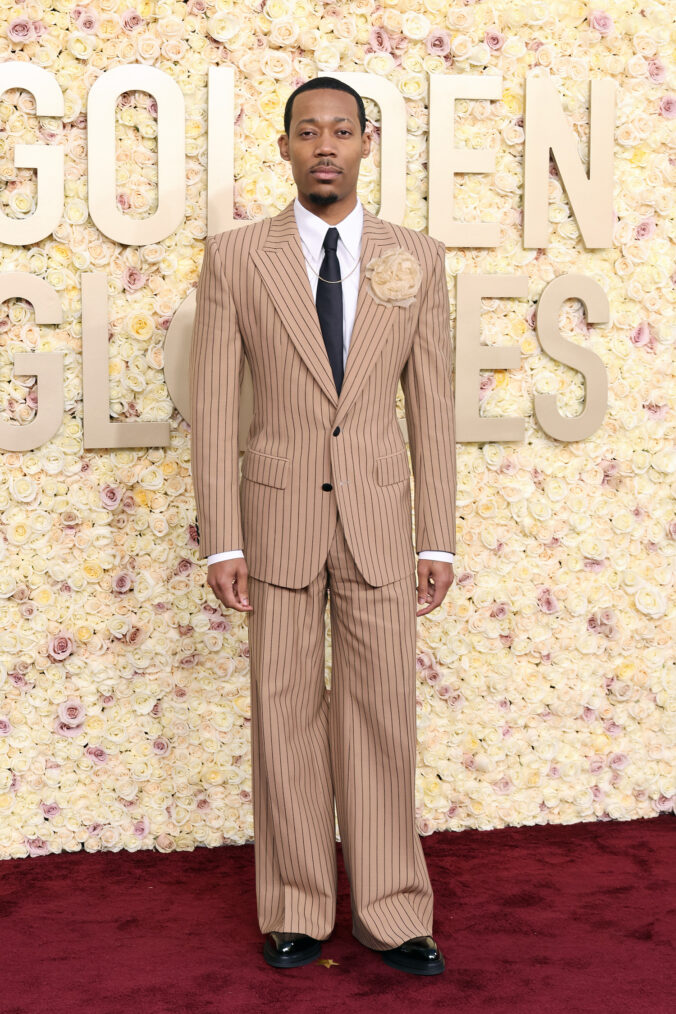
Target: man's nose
325	144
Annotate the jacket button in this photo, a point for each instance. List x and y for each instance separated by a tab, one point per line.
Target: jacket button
336	431
327	486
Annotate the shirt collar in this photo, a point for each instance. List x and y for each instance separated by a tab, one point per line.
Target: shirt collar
312	229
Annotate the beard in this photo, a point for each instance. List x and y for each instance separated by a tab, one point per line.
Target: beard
323	200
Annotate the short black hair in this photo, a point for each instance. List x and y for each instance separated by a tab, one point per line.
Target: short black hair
324	82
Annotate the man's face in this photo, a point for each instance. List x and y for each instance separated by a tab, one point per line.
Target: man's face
324	145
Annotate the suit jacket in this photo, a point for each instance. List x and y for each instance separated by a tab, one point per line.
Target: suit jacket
254	300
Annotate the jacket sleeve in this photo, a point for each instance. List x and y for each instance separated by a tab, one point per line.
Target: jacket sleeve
427	384
216	370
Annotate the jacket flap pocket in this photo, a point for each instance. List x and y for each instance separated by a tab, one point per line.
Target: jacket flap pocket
392	468
265	468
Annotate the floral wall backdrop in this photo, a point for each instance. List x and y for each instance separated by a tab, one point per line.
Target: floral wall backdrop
545	680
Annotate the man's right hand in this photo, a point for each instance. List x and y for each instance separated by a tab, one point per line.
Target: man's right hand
228	581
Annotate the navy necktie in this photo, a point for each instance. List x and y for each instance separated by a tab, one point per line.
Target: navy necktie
329	301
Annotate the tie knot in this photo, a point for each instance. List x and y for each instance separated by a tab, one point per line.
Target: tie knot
331	238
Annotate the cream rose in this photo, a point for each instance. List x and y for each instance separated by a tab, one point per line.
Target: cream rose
394	278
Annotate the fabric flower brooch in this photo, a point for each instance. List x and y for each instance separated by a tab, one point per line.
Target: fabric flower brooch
394	278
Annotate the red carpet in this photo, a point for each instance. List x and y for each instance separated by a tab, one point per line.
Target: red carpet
554	919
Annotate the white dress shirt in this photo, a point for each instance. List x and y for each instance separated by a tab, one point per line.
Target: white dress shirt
312	231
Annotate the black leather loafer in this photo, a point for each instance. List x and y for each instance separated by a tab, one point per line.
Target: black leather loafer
290	950
419	955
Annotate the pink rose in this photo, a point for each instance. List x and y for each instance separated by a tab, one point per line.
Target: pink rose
141	827
399	44
88	22
21	30
438	43
379	41
122	582
5	726
431	675
641	336
547	602
71	712
645	229
110	496
601	22
60	646
97	754
160	745
668	107
63	729
657	71
131	20
37	846
494	40
133	279
50	809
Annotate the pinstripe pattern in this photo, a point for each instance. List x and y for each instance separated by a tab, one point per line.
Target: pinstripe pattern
254	299
362	747
323	513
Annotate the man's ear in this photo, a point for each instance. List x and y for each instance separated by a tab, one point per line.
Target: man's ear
365	143
283	145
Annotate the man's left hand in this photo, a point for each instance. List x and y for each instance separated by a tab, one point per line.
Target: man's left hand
435	577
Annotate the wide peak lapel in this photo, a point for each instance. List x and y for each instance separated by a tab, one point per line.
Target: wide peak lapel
281	264
371	323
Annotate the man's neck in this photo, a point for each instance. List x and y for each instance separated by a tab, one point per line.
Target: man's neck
330	213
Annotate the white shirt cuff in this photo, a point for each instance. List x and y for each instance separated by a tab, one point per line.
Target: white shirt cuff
230	555
429	554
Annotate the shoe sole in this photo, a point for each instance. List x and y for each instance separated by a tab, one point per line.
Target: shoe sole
279	961
431	968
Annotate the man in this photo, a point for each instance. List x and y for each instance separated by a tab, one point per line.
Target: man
331	306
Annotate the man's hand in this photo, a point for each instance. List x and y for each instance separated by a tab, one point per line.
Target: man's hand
228	581
435	577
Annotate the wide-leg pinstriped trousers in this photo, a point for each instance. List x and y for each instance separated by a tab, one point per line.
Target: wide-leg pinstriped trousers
359	745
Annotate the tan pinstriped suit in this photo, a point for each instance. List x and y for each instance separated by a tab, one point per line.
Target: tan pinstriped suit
324	505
